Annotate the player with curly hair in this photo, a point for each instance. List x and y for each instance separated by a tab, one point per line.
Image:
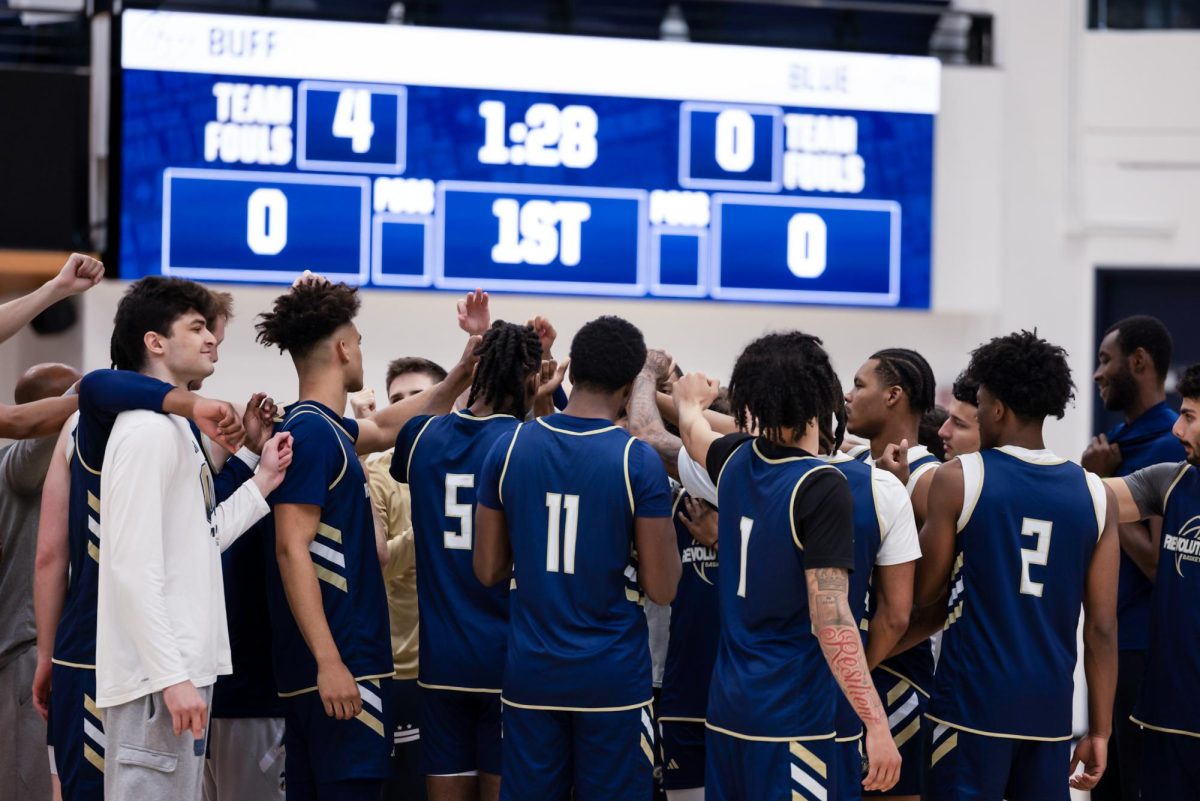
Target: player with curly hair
329	613
786	538
1016	541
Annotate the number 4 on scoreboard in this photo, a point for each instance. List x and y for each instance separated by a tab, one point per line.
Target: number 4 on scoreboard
352	119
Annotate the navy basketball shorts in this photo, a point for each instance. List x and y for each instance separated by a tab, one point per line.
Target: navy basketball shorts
605	756
322	751
850	769
761	770
460	732
1170	766
683	754
905	705
76	733
977	767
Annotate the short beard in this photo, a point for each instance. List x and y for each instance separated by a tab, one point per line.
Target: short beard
1122	391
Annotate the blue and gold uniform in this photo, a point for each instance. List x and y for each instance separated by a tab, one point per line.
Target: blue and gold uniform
772	702
999	721
464	625
320	749
76	730
691	651
577	684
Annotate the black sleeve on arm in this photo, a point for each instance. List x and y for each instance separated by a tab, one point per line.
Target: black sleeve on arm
823	516
720	451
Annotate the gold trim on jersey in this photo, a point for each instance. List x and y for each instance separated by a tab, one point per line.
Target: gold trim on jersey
947	745
809	758
75	453
451	688
508	455
628	483
964	517
898	675
329	532
1164	730
329	577
769	460
337	427
64	663
796	489
680	720
373	723
998	735
576	433
90	705
412	451
832	735
633	596
900	689
647	750
90	755
460	413
93	552
1170	489
908	732
313	689
721	472
647	702
856	737
93	502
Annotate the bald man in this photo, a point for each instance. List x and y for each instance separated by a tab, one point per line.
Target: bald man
24	768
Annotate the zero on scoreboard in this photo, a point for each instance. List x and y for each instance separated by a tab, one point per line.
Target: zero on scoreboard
254	149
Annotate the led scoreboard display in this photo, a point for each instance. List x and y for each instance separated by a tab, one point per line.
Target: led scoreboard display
395	156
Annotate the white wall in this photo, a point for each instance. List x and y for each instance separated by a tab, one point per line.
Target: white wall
1080	149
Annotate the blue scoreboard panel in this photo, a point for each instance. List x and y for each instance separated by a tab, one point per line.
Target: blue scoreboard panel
397	156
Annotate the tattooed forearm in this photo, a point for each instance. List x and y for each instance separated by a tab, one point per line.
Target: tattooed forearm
646	423
840	641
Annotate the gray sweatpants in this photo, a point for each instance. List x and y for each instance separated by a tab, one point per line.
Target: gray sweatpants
245	760
144	760
24	766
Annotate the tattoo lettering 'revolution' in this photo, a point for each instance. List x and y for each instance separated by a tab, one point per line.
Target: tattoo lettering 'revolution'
840	640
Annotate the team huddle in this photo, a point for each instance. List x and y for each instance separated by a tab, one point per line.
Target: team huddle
650	585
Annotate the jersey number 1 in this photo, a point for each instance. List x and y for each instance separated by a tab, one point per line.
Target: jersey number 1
556	503
1037	555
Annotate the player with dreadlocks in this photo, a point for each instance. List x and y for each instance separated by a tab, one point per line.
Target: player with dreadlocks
329	613
892	392
1016	540
464	625
787	545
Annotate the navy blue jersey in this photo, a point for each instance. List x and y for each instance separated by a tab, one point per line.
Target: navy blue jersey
103	394
1029	525
916	664
570	489
464	625
782	511
868	534
343	553
694	630
1167	701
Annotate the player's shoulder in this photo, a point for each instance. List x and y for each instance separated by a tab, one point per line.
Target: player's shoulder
142	419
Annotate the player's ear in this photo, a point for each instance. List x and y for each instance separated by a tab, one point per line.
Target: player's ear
891	395
1139	361
155	343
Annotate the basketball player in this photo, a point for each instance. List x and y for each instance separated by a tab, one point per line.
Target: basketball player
1016	540
329	613
564	503
786	538
892	392
1165	711
960	432
463	624
1131	374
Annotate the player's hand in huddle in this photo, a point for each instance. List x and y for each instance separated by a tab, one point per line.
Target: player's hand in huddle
362	403
470	354
546	334
883	758
700	519
1092	753
895	461
696	388
258	420
474	317
276	458
550	378
79	274
1102	457
338	690
309	277
220	422
659	366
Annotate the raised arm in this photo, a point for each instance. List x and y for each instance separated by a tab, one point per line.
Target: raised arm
295	529
692	395
1099	650
378	432
829	608
234	516
645	422
77	275
40	418
51	566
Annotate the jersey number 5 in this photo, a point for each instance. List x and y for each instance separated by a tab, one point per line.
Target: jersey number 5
556	503
460	541
1037	555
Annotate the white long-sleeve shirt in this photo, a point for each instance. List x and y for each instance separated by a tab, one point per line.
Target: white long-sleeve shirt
161	613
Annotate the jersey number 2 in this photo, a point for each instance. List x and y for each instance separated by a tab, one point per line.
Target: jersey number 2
1039	554
556	503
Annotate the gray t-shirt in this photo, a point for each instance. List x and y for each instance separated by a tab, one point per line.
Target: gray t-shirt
23	468
1150	485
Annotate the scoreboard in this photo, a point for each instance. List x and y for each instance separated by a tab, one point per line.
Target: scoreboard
253	149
